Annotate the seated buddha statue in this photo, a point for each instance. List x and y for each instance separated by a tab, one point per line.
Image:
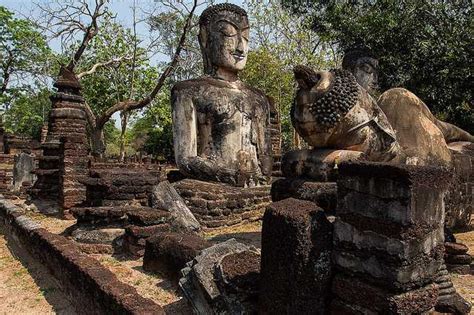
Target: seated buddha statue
220	124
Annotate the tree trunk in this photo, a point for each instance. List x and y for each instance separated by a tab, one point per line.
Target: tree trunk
124	121
97	142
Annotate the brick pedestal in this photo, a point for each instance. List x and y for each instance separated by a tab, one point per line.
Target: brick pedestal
217	204
388	238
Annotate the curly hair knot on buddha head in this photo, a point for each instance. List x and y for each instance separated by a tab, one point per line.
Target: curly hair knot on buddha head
208	14
335	104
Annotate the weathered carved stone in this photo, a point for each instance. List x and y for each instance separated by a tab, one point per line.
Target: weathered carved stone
340	120
164	196
170	252
389	236
211	281
221	125
218	204
22	172
323	194
364	66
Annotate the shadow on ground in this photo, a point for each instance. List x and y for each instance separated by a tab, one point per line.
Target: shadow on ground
47	284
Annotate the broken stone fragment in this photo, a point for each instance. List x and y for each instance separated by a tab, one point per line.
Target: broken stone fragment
218	282
170	251
164	196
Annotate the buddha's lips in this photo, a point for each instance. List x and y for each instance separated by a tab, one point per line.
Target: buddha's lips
239	57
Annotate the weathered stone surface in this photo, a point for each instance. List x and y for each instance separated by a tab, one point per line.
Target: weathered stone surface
397	194
296	258
340	120
97	236
388	237
22	171
357	292
169	252
465	259
324	194
205	287
449	301
137	215
460	269
164	196
109	185
218	204
221	126
135	237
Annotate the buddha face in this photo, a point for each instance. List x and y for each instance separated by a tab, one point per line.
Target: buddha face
225	41
365	72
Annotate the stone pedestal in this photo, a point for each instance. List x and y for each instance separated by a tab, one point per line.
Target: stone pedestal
217	204
388	238
460	197
457	259
296	259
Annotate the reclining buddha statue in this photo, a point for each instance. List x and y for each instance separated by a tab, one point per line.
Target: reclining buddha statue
336	115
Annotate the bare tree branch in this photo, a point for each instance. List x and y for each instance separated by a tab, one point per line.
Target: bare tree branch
94	68
128	105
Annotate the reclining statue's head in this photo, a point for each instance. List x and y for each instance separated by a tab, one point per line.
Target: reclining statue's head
223	37
364	66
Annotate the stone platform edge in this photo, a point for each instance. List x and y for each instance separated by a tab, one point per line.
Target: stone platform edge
91	287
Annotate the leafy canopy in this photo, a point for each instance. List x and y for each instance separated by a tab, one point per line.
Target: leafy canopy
424	46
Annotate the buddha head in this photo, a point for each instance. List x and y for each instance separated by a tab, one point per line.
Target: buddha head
364	66
223	37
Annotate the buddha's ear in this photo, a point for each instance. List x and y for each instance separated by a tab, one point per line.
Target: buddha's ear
202	37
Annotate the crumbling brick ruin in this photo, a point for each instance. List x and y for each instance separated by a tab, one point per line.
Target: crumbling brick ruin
64	160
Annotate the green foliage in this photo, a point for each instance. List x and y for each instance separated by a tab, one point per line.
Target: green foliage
127	79
422	45
153	132
27	113
24	56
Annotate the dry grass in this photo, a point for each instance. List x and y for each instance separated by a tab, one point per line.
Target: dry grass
240	228
160	289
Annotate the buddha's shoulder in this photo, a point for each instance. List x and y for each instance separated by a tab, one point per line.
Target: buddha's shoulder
200	83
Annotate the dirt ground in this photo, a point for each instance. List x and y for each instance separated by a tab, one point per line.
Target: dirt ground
26	287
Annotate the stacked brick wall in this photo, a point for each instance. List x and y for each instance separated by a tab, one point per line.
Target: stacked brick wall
215	205
6	174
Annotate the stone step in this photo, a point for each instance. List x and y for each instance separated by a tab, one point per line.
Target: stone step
46	172
49	158
136	215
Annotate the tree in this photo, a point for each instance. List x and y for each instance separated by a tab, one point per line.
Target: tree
69	17
24	57
279	42
424	46
27	113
